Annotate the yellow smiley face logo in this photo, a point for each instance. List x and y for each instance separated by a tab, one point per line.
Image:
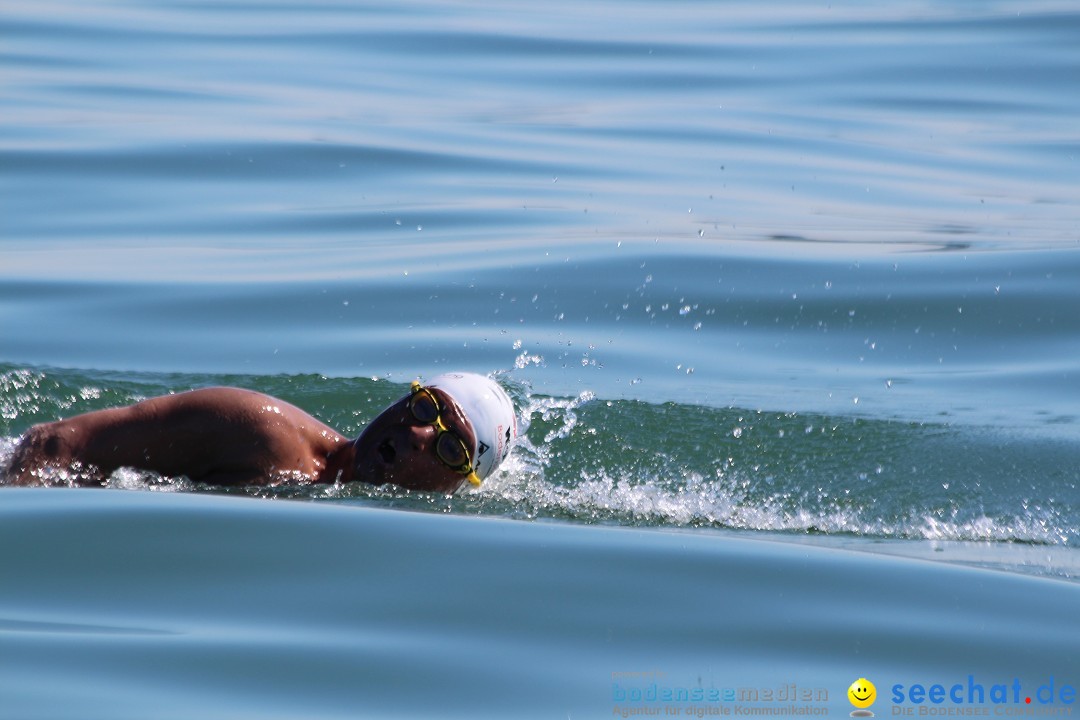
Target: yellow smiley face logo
862	693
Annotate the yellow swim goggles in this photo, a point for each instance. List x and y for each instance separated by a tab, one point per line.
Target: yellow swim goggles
449	447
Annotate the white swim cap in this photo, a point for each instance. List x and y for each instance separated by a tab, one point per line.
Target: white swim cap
489	409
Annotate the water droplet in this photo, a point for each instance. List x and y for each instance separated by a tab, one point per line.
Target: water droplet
737	432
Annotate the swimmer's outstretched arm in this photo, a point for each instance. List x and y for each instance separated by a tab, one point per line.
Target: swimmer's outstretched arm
214	435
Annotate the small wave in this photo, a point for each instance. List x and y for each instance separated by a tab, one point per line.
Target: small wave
589	460
519	490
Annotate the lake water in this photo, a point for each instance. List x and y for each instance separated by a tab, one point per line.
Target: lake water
788	296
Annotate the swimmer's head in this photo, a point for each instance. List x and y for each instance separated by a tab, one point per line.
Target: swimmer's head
489	410
457	427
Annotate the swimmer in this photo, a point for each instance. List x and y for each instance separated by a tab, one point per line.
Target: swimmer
456	428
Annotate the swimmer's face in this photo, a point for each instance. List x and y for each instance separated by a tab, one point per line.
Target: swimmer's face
397	448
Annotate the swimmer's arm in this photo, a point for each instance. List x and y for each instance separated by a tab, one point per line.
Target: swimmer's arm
93	445
173	435
222	436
